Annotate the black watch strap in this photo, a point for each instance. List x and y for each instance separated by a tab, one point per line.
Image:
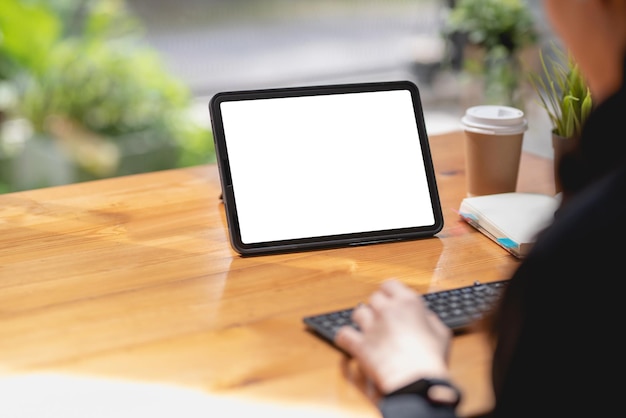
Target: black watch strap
427	388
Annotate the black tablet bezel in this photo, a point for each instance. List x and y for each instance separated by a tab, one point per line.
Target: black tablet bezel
327	241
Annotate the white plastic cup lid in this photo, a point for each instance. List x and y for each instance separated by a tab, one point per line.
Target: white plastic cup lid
494	120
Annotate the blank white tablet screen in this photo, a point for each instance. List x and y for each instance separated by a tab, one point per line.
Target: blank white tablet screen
324	165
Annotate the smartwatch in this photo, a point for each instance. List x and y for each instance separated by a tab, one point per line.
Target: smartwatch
436	391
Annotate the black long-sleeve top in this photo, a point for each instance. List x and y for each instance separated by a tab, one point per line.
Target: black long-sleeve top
557	331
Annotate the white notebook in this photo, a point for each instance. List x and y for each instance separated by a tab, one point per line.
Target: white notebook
512	220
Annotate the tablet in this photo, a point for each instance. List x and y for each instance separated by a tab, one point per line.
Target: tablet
314	167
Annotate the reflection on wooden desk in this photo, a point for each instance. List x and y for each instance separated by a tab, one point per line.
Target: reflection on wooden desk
132	280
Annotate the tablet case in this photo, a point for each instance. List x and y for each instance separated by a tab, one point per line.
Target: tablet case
315	167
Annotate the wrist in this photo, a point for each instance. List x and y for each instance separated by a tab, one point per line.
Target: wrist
436	391
392	382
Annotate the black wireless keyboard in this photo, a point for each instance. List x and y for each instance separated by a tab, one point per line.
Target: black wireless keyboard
457	308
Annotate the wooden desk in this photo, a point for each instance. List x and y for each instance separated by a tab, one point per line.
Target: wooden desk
132	281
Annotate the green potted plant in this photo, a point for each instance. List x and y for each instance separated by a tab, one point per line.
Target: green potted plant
497	31
564	94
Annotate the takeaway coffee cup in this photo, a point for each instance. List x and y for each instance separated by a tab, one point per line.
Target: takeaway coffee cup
493	147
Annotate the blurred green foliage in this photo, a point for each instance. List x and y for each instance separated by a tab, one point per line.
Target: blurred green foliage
84	61
494	24
501	28
27	32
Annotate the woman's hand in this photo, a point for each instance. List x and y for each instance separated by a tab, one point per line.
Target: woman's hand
400	339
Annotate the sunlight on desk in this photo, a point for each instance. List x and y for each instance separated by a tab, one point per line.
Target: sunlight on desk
62	396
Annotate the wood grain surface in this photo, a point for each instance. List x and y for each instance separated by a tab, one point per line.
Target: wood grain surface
131	283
